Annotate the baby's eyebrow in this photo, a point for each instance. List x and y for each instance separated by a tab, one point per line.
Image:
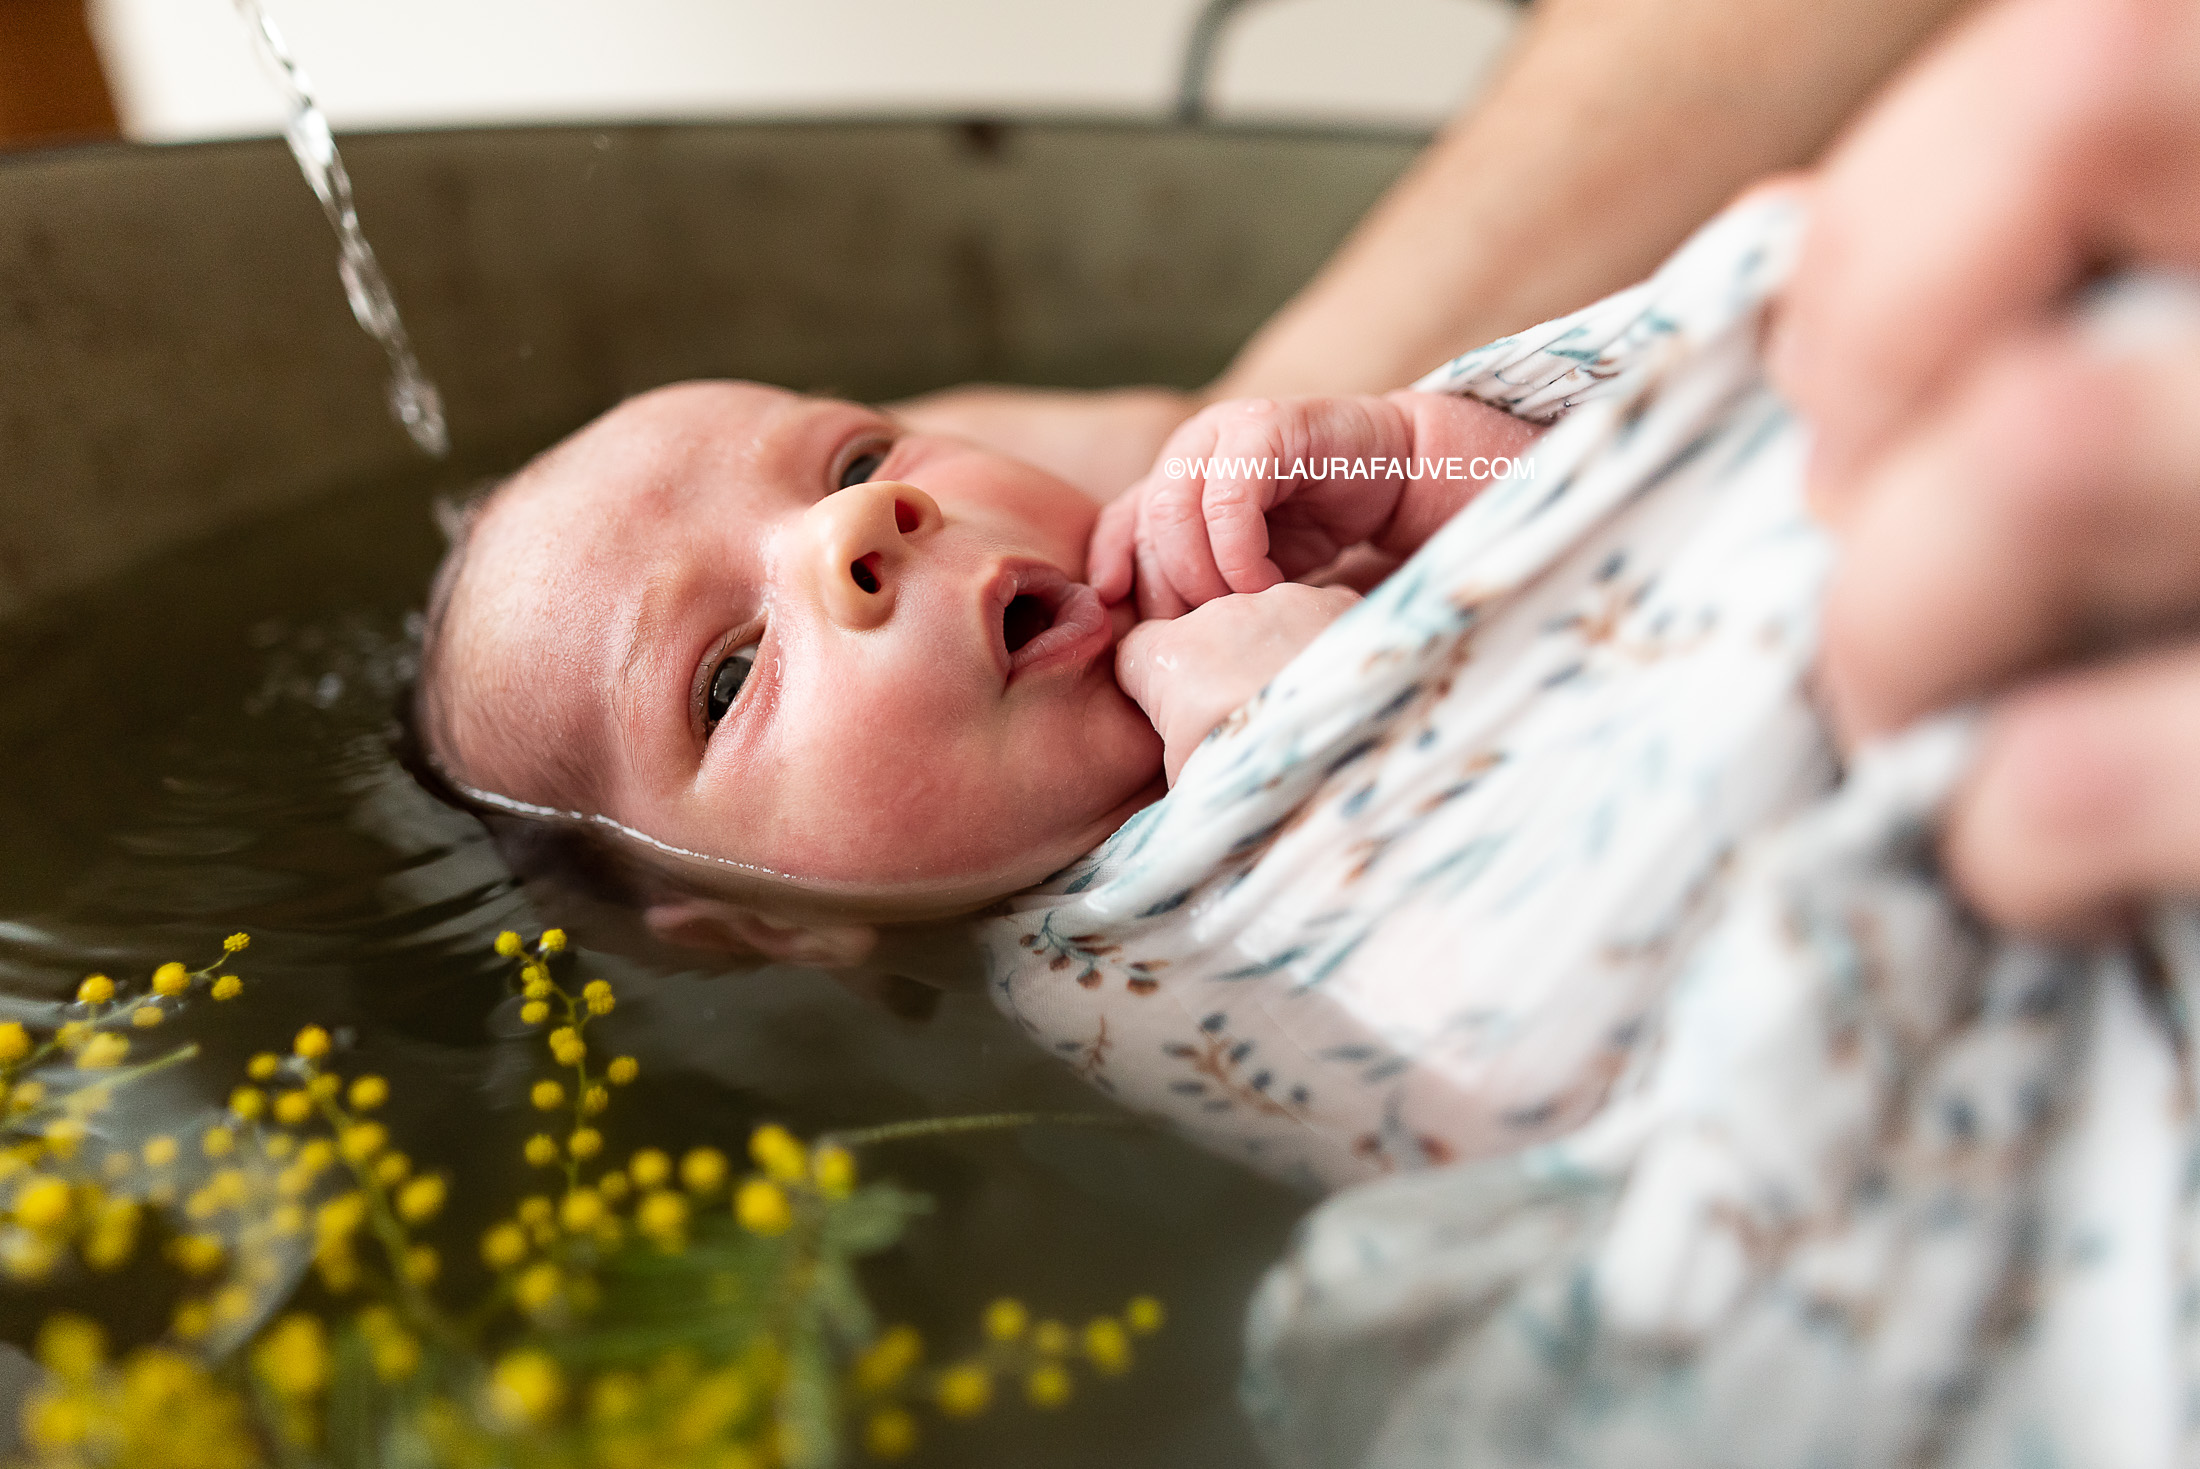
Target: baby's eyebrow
634	690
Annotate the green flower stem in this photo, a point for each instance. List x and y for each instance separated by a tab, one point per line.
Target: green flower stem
923	1127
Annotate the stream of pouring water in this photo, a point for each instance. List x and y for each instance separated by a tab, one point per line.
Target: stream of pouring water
413	399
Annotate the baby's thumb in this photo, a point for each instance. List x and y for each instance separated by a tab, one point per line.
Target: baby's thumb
1140	663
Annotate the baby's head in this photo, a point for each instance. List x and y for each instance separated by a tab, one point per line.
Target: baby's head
851	673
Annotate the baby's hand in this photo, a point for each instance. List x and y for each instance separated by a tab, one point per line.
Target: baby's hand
1194	529
1189	673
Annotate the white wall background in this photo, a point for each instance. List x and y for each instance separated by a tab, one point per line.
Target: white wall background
182	69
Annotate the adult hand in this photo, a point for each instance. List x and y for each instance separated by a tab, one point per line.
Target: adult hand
1098	441
2014	491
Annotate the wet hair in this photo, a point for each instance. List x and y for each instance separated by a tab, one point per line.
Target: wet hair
565	857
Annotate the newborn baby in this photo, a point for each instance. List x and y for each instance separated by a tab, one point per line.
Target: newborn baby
801	673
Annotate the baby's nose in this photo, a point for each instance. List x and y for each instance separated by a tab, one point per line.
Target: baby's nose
862	538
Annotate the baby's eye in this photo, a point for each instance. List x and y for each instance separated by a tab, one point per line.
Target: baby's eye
863	468
725	685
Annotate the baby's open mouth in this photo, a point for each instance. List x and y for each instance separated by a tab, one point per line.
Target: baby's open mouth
1046	617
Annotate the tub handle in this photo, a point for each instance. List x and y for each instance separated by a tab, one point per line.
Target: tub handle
1199	57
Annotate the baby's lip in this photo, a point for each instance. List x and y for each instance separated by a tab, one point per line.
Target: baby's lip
1077	629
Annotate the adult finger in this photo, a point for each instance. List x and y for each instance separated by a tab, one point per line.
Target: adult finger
2038	140
2051	509
2085	797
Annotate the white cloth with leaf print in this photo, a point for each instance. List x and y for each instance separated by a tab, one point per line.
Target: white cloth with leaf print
1758	1151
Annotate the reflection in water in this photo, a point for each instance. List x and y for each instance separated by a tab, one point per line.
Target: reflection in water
202	746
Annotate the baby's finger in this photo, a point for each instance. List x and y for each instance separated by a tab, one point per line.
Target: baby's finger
1108	566
2086	797
1172	523
1156	598
1236	516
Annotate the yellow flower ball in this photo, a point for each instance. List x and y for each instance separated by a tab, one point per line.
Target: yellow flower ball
834	1169
542	1150
292	1357
196	1254
595	1100
421	1199
312	1043
193	1319
622	1070
525	1388
581	1211
776	1151
537	1287
396	1354
649	1168
890	1433
886	1361
761	1206
325	1087
390	1169
422	1264
55	1423
264	1066
316	1155
585	1143
504	1246
662	1216
42	1205
368	1093
535	1209
293	1109
97	989
228	987
566	1046
964	1390
703	1170
612	1185
534	978
508	945
1050	1339
362	1140
62	1137
1108	1346
171	979
1047	1385
248	1102
596	994
160	1151
236	943
547	1096
71	1347
551	942
103	1051
1144	1315
218	1142
340	1218
534	1012
145	1017
1006	1319
15	1042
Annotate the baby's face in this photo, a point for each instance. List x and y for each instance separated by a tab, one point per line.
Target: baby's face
774	629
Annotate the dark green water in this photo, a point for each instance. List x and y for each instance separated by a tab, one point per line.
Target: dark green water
202	746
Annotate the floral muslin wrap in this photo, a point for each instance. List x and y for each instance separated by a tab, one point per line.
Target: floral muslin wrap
1418	899
1690	1121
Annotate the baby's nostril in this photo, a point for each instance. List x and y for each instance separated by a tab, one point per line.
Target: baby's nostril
905	516
865	570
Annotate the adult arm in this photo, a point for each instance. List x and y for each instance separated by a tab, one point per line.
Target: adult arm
1615	127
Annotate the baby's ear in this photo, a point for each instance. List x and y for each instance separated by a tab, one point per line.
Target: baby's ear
726	928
